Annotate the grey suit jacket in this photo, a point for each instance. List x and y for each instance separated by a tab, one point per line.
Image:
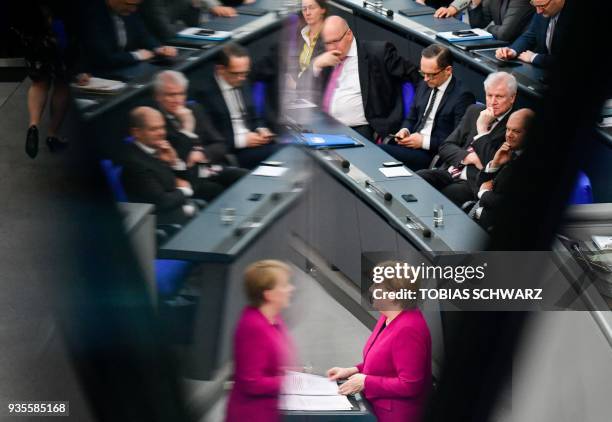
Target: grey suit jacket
506	23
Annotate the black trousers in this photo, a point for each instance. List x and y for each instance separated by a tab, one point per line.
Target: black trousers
414	159
208	188
458	191
365	130
250	158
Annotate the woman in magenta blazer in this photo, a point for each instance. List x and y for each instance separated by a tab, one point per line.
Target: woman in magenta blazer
262	347
395	375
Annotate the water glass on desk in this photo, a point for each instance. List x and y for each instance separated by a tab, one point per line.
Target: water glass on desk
438	215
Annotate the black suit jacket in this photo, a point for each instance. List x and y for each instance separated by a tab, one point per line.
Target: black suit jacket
454	149
452	107
382	72
147	179
211	98
508	22
208	137
100	42
534	38
495	199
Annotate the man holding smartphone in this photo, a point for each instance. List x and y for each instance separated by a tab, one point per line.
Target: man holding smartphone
438	106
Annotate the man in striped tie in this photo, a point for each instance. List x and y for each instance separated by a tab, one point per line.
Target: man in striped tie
474	141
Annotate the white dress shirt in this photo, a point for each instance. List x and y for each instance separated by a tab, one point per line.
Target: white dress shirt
346	104
428	126
238	124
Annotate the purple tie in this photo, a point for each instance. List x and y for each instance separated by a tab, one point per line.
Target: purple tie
332	84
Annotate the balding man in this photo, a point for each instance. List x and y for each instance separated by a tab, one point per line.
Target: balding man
494	180
362	80
544	37
154	173
474	141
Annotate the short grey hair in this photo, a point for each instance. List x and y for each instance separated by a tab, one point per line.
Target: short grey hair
162	78
496	78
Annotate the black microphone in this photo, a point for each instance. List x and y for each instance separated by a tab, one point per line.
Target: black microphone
386	195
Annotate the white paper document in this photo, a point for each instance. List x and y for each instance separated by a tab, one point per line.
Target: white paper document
400	171
603	243
270	171
308	385
295	402
100	85
299	103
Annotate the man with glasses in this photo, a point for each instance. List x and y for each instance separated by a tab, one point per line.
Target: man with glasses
439	104
361	81
227	101
474	142
543	38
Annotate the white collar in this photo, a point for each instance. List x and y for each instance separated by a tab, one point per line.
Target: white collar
145	148
353	50
442	88
222	83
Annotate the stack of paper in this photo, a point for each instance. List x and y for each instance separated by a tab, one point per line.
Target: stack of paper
311	392
100	86
458	36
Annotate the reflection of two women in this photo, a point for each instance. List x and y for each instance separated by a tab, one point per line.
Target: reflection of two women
394	376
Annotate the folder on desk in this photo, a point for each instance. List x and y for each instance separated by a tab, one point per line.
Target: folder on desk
478	44
327	141
195	33
416	9
465	35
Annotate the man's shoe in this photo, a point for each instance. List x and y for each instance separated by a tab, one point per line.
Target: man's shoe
56	144
31	145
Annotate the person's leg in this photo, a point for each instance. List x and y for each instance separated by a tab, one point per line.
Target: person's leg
250	158
459	192
228	176
37	98
437	178
206	189
414	159
366	131
58	107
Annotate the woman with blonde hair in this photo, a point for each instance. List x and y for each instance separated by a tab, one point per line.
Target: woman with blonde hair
262	346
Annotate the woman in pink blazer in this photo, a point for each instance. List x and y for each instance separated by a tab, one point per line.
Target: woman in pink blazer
262	346
395	375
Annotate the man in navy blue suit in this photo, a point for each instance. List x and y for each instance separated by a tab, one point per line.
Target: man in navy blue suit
114	36
439	104
544	37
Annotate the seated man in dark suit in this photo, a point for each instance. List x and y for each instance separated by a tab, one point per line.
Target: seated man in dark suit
474	141
439	104
114	36
227	100
361	81
543	38
154	173
495	178
188	128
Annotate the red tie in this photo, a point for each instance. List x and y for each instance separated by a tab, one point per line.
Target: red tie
332	84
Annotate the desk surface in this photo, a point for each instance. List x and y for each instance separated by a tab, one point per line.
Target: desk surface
208	238
459	233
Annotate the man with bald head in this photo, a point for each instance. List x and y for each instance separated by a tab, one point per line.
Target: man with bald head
361	81
154	173
494	180
474	142
544	37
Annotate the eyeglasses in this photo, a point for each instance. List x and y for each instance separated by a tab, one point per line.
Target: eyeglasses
338	40
542	5
430	75
239	74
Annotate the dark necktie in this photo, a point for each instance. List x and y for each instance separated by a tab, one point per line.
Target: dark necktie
428	111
